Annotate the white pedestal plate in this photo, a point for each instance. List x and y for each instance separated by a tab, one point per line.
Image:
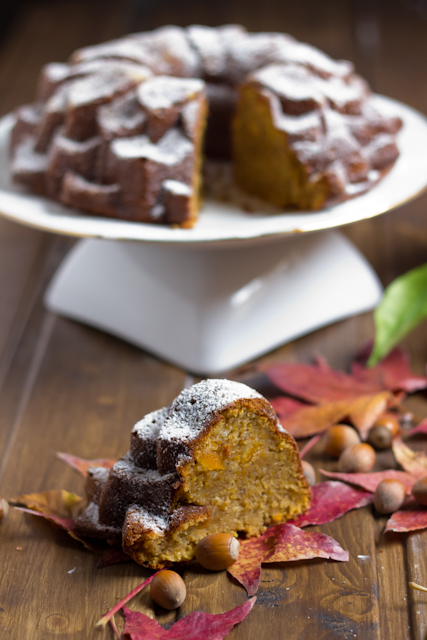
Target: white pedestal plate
234	287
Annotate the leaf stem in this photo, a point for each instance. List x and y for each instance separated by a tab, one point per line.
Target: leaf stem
105	619
416	586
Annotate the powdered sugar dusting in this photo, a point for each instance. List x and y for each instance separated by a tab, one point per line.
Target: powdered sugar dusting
163	92
194	407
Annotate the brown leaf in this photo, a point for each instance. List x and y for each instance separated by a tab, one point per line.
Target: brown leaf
414	462
411	518
57	502
370	481
282	543
68	524
361	411
197	626
81	465
331	500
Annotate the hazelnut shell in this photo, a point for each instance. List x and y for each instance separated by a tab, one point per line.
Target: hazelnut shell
167	589
359	458
389	496
338	438
217	551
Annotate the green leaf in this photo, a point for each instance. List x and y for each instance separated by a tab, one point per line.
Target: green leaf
402	308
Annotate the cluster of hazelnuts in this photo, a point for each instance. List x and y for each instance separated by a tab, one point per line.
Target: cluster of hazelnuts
343	442
215	552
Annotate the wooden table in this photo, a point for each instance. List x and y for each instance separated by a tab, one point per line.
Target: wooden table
66	387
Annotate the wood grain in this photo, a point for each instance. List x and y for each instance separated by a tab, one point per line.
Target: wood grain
67	387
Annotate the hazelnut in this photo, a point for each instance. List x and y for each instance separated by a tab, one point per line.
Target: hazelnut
359	458
419	491
380	437
309	472
218	551
390	421
4	508
389	496
167	589
338	438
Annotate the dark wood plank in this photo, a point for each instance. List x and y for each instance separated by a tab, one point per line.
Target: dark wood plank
67	387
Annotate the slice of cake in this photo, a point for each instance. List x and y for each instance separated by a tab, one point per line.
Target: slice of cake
216	460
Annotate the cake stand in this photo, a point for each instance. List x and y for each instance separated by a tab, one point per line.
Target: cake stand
234	287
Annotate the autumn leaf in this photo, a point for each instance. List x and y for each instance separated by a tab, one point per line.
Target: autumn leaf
420	428
317	384
362	412
81	465
196	626
286	407
393	373
310	444
113	556
109	615
411	518
57	502
414	462
282	543
68	524
370	481
331	500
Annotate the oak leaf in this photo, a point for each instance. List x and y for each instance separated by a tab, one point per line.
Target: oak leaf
81	465
196	626
282	543
331	500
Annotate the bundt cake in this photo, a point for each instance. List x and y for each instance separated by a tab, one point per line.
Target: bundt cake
119	130
216	460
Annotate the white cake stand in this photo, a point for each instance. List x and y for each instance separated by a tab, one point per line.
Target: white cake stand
234	287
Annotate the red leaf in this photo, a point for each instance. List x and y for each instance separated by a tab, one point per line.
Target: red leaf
310	444
331	500
361	411
285	407
420	428
113	556
105	619
370	481
411	518
414	462
282	543
196	626
81	465
317	384
391	373
68	524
